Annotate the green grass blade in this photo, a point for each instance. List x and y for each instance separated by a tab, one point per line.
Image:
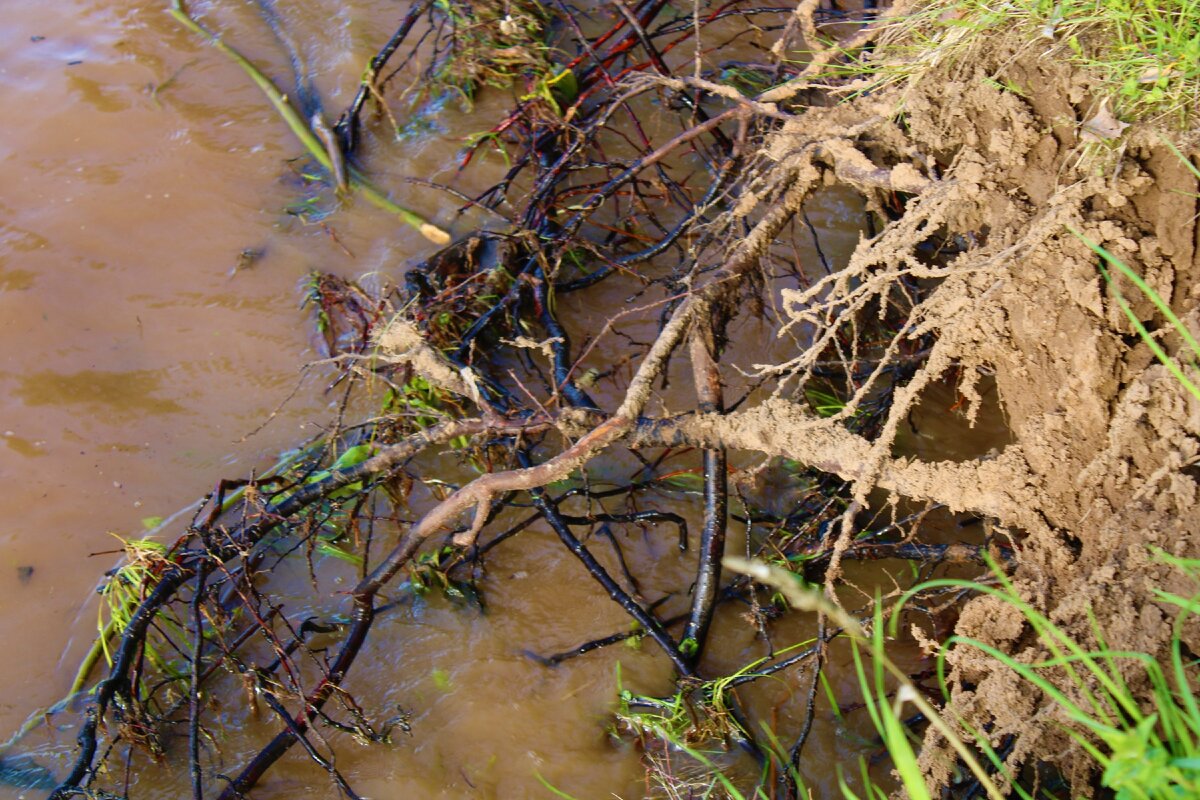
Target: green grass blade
1154	346
552	788
1144	288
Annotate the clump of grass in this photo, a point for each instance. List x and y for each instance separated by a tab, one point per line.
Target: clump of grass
1144	745
127	586
887	689
430	572
1143	750
121	594
493	43
685	738
1145	53
687	724
686	719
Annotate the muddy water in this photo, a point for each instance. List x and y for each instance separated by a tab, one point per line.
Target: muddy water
139	350
137	165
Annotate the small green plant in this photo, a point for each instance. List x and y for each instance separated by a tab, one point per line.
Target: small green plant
748	79
495	44
884	704
557	89
686	718
431	571
127	586
1143	752
420	400
303	132
687	765
825	404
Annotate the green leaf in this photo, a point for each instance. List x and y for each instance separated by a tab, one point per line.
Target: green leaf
564	87
331	549
354	455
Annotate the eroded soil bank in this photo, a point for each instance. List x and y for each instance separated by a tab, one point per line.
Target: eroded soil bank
1100	470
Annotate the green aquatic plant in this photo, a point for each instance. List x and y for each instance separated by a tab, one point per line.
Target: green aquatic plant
318	150
687	726
430	572
827	403
422	402
556	89
125	589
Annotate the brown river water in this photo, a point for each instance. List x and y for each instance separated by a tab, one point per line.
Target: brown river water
136	358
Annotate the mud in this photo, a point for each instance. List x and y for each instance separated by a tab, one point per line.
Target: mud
1100	465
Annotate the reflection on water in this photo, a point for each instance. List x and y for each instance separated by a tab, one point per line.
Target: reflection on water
114	395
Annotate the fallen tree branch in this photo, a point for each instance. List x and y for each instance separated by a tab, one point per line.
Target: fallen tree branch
716	492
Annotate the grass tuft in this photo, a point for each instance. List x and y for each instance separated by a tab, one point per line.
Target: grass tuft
1142	752
1144	53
